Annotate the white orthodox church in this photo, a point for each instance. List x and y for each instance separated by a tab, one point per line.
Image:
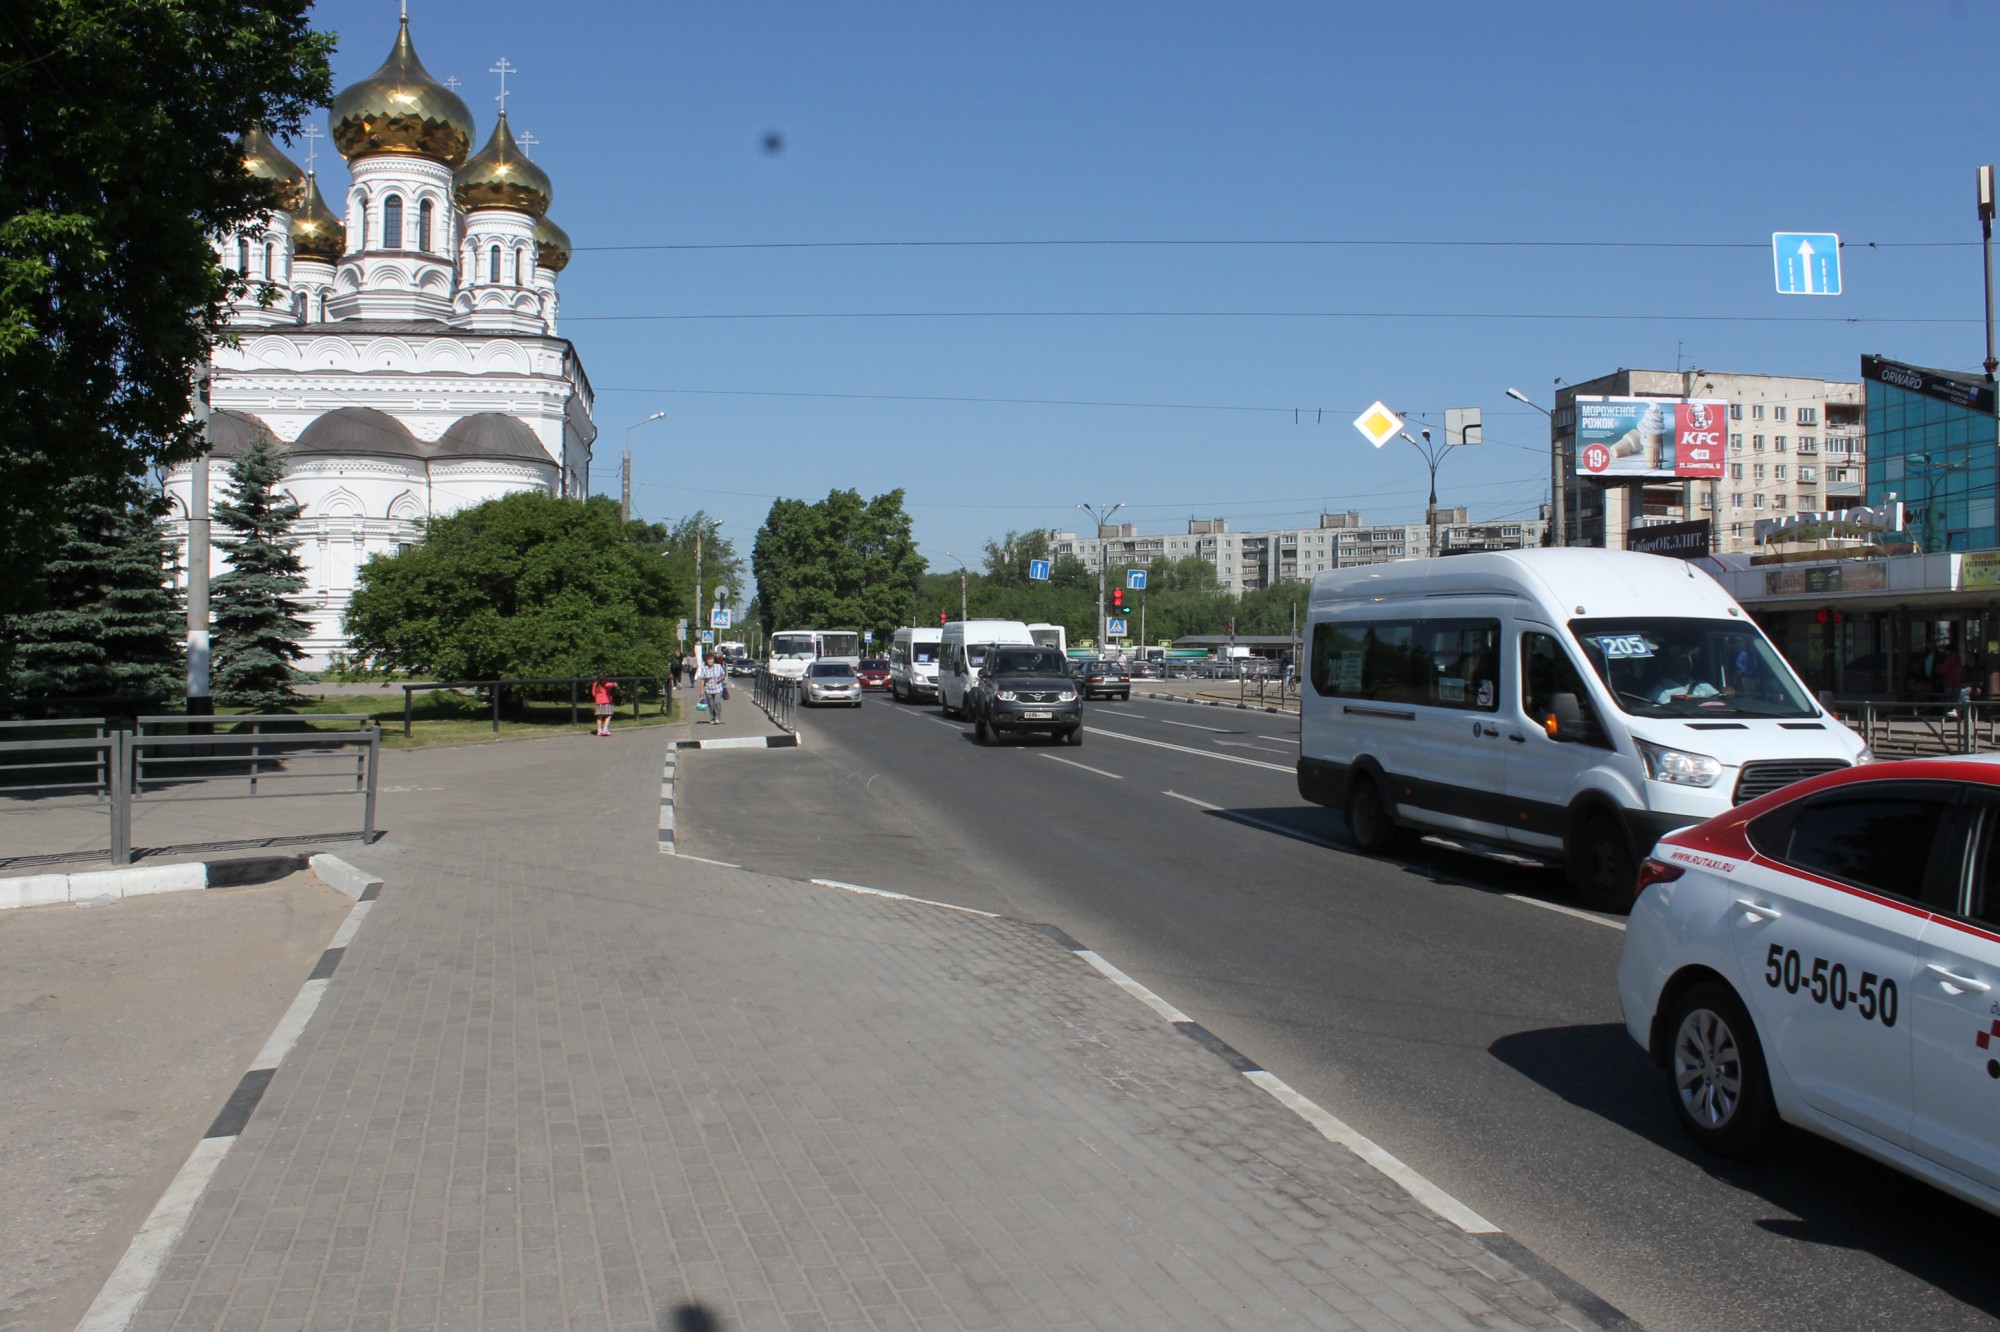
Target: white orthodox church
409	364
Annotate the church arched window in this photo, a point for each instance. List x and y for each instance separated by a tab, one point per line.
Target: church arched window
425	212
493	265
521	270
270	273
242	256
392	222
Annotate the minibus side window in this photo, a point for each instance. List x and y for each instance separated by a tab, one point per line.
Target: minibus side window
1462	664
1377	660
1548	675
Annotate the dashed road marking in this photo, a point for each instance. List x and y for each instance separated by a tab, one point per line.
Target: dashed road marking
1562	910
1189	749
1193	726
900	897
1085	766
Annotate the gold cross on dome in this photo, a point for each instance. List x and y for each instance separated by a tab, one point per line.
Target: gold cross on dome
453	83
527	141
503	69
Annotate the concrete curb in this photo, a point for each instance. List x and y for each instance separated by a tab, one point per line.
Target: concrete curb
102	887
788	741
338	874
1222	703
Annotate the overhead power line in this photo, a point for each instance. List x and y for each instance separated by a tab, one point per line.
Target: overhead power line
807	315
1305	243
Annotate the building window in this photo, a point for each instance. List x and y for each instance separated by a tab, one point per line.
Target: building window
1736	442
1736	531
426	211
1757	501
243	256
1707	500
1757	412
1736	411
1757	472
1736	471
1807	444
1778	412
1808	500
270	273
1735	499
1778	443
1778	472
1777	501
493	265
392	222
1757	443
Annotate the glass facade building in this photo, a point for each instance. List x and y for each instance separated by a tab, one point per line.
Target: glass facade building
1932	443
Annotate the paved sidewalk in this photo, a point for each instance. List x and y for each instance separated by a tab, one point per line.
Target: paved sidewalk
560	1080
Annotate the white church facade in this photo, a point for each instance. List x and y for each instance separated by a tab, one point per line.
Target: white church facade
406	360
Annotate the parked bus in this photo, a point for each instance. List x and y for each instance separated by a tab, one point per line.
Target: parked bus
913	663
792	649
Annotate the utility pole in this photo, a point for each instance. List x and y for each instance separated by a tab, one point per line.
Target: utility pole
1557	481
1986	237
1100	515
199	702
625	489
962	615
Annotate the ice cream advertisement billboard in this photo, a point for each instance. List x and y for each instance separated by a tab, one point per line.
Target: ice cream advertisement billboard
1634	438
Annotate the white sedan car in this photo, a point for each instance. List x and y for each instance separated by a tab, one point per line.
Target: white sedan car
1829	956
831	682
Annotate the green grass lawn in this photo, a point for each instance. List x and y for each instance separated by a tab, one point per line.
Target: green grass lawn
445	717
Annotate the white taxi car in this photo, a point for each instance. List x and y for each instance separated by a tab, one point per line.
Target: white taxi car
1829	956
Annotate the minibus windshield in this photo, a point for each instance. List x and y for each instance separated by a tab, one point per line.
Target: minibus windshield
1657	667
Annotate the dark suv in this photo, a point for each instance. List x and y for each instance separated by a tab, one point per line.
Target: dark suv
1025	688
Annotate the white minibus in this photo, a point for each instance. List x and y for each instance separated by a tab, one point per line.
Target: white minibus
913	663
794	649
962	648
1050	635
1564	704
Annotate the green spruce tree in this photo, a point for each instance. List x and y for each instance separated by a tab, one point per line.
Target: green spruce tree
254	622
145	622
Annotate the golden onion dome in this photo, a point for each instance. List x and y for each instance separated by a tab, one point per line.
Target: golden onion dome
316	232
551	246
501	176
280	174
400	108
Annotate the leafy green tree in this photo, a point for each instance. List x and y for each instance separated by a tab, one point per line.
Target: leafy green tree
1007	560
523	586
110	626
118	163
843	563
255	623
721	566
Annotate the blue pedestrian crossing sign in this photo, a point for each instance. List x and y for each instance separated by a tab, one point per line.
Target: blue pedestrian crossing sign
718	619
1807	262
1038	570
1135	580
1114	628
708	635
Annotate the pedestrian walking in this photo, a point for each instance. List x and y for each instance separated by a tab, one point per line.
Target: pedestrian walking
715	686
601	690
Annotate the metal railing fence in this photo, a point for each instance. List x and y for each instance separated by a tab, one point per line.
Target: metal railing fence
576	684
1920	730
778	697
123	770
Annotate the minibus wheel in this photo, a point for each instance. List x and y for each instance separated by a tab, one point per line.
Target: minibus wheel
1369	822
1601	865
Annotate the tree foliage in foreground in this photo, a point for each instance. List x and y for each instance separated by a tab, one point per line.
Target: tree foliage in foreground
118	163
520	587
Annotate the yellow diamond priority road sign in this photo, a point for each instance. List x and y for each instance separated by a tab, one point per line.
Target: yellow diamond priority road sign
1379	424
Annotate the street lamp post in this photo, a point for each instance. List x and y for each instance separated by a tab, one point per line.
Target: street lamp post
625	472
1433	455
1556	478
962	615
701	526
1100	515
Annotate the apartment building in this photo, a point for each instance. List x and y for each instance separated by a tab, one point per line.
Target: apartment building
1247	561
1796	445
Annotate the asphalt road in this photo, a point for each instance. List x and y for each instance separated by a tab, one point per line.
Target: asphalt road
1459	1011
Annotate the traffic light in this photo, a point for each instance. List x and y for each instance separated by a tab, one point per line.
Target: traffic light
1118	600
943	617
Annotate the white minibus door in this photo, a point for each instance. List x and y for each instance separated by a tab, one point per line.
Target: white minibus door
1554	735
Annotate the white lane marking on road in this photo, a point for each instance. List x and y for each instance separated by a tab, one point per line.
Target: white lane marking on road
1186	749
1219	730
118	1302
1085	766
1190	799
726	864
1120	712
1338	1131
1133	988
1560	909
952	726
900	897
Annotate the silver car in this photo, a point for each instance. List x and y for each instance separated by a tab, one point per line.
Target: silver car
831	682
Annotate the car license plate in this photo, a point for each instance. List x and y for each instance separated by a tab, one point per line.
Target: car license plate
1037	716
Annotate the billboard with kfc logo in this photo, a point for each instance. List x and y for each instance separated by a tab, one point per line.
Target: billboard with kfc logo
1677	439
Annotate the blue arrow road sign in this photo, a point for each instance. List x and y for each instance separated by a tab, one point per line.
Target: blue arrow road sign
1135	580
1114	628
1807	262
1039	570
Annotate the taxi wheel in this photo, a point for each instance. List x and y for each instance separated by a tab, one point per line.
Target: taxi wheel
1715	1072
1369	821
1601	866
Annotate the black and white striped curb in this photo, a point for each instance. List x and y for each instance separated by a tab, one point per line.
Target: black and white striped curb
118	1302
667	804
789	740
1601	1312
103	887
1221	703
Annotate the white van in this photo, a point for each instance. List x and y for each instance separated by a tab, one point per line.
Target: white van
961	652
1564	703
913	663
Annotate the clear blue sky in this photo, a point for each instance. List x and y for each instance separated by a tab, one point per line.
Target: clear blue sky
1668	125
